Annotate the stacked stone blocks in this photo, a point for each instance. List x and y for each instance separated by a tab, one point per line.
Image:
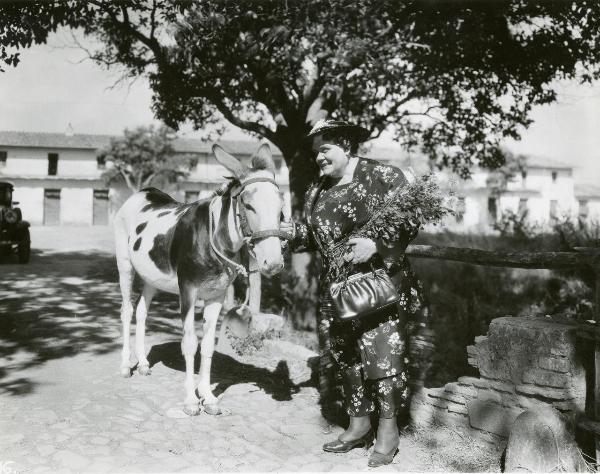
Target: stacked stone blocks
525	362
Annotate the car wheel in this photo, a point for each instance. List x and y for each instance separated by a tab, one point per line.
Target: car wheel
24	249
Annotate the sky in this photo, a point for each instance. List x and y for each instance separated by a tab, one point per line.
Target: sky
54	86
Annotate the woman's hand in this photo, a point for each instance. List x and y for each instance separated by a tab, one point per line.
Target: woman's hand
287	227
361	249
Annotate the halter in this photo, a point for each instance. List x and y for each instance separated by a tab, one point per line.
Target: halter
248	235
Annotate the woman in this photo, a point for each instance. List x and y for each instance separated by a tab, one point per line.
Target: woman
370	352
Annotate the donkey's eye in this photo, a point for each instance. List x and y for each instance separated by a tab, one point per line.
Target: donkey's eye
249	207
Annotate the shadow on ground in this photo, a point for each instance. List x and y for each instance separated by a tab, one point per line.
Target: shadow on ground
62	304
227	371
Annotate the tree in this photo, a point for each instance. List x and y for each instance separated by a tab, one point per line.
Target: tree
497	181
145	156
453	77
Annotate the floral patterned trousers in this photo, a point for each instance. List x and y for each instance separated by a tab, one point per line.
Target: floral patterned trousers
371	355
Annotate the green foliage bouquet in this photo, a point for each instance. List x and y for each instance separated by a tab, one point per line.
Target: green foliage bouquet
408	209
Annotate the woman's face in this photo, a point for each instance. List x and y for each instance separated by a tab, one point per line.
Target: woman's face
331	158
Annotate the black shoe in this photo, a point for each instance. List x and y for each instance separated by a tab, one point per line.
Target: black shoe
378	459
339	446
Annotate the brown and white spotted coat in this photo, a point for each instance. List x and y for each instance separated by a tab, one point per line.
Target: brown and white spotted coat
167	244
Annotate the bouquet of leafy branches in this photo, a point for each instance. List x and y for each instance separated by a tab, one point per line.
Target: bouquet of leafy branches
408	209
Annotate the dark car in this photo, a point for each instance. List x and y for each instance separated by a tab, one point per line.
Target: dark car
14	231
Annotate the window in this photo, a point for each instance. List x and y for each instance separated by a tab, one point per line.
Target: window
492	210
461	207
101	161
3	156
522	206
553	209
52	164
554	176
583	208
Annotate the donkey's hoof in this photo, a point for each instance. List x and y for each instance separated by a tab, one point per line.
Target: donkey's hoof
125	372
213	409
144	370
192	410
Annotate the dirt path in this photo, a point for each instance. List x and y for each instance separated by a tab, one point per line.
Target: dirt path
64	408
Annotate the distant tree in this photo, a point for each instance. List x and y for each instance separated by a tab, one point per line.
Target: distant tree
498	179
145	156
452	77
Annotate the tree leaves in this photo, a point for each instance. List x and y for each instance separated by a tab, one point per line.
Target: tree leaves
452	78
145	155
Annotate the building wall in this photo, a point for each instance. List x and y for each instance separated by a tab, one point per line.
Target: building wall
34	162
78	175
538	189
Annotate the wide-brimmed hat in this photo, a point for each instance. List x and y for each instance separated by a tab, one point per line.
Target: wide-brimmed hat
357	132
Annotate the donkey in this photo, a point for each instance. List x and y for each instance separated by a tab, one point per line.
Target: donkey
193	250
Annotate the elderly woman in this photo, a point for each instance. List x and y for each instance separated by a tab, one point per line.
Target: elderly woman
371	351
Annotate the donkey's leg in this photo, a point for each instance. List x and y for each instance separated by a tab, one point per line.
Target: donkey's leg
189	346
141	313
126	275
212	309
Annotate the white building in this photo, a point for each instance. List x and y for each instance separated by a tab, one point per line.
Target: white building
57	177
545	189
57	180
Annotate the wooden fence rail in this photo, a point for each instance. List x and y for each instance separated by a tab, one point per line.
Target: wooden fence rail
547	260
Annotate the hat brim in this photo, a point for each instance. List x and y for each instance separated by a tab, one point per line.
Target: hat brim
361	134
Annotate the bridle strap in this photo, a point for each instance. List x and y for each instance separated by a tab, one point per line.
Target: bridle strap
245	227
236	266
247	233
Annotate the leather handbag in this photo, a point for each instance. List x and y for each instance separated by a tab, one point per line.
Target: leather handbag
362	294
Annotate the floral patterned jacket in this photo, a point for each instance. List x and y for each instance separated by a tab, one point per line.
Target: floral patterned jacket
335	213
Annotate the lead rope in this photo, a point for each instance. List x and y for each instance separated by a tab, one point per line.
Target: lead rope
239	269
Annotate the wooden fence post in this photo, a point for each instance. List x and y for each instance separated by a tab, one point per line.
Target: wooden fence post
597	359
593	255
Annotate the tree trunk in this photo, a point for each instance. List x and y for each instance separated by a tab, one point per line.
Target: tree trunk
302	170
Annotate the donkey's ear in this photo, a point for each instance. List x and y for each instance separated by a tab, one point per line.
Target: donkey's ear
230	162
263	159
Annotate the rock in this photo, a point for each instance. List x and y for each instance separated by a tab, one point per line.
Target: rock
71	460
176	413
45	449
546	392
491	417
554	364
546	378
539	441
263	322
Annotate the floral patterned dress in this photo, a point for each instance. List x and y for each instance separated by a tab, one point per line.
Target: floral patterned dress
370	352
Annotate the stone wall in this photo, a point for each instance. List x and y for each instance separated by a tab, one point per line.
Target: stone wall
523	363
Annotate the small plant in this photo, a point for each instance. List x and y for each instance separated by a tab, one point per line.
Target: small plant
517	225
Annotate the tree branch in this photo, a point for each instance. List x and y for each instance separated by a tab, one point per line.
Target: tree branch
148	180
127	179
151	42
243	124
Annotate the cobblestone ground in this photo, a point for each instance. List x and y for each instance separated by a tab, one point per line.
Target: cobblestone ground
64	408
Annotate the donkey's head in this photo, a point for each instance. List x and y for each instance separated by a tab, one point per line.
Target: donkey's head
259	206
